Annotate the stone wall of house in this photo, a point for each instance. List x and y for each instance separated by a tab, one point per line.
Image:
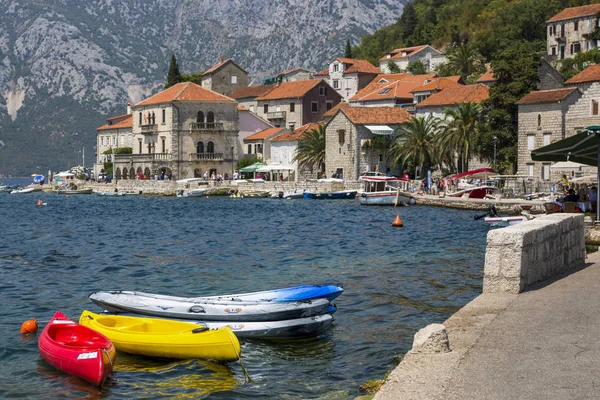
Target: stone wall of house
221	80
572	36
300	75
579	115
341	155
549	77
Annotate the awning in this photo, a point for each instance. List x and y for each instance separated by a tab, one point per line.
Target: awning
380	129
567	165
275	167
251	168
475	173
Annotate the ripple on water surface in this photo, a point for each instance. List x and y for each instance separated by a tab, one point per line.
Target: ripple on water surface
396	281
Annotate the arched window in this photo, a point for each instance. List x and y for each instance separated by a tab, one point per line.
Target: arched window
210	117
200	147
210	147
539	121
125	173
200	117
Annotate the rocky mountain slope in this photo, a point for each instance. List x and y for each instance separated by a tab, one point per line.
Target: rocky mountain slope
65	65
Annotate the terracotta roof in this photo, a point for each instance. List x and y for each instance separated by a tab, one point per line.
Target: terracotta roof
289	71
264	134
184	91
487	77
457	94
439	84
397	53
405	76
297	134
119	122
546	96
376	115
576	12
325	72
220	64
290	90
332	112
390	90
358	66
590	74
250	91
240	108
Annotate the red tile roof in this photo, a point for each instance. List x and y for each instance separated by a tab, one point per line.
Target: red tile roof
220	64
439	84
397	53
240	108
376	115
184	91
358	66
297	134
265	134
390	90
487	77
290	90
325	72
119	122
457	94
590	74
406	76
546	96
251	91
576	12
332	112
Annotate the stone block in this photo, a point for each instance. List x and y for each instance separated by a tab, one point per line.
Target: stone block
431	339
493	260
495	284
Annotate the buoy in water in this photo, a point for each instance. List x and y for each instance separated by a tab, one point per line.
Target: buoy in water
39	203
29	326
397	222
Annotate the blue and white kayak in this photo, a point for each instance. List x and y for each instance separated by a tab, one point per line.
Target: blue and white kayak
283	295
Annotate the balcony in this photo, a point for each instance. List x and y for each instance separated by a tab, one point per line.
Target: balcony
149	129
276	115
206	126
144	157
206	157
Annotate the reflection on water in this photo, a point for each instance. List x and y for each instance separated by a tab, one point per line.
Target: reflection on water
396	281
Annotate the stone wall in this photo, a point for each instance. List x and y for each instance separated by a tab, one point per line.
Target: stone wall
523	254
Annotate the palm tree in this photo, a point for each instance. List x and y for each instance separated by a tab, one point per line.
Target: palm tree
311	148
465	60
461	132
416	142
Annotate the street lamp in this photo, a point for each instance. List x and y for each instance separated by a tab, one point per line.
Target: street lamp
231	162
495	139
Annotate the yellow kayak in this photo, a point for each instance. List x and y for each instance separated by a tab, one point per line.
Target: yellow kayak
164	338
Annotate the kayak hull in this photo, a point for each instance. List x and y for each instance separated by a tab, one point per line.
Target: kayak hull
295	293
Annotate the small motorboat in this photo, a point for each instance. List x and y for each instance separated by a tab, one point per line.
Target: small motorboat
191	193
339	195
74	191
99	193
294	293
512	220
77	350
164	338
199	308
22	191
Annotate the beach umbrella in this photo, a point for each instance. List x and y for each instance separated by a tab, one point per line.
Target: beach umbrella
581	148
38	178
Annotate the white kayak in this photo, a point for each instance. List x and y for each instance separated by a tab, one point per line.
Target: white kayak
199	308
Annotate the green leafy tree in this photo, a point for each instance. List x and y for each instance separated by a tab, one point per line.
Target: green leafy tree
195	78
416	143
416	67
173	76
569	67
348	52
393	68
310	151
462	131
408	20
464	60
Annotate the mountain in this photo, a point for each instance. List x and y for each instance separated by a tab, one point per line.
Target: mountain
65	65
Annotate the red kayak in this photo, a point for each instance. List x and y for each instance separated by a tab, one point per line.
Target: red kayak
77	350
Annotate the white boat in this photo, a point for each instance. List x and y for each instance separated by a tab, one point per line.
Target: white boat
191	193
512	220
385	191
473	191
292	194
22	191
74	191
99	193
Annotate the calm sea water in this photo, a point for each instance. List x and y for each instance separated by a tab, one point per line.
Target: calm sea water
396	281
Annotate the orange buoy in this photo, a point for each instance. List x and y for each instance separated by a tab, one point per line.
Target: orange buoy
39	203
29	326
397	222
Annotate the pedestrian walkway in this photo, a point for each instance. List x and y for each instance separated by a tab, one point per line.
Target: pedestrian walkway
540	344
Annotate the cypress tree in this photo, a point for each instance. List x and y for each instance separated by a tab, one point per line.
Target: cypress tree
408	20
348	53
174	76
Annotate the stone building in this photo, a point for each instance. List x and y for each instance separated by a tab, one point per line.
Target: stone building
293	104
290	75
347	75
225	77
350	148
542	120
283	151
585	111
181	131
549	78
567	32
116	133
429	56
435	104
259	144
246	96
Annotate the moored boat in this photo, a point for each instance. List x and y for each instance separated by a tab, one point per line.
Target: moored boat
77	350
74	191
385	191
100	193
191	193
22	190
154	337
199	308
294	293
512	220
339	195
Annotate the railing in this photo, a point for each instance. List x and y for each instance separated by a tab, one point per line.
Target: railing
206	156
149	129
143	157
206	126
276	115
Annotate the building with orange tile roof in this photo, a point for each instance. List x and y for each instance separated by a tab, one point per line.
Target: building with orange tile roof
327	115
249	123
487	78
438	84
389	94
347	75
566	31
292	104
182	132
259	144
246	96
586	77
225	77
283	150
451	96
348	139
116	133
402	57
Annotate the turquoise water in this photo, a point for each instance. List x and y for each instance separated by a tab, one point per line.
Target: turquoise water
396	281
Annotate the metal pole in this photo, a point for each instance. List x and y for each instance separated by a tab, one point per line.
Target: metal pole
598	181
83	159
495	138
231	162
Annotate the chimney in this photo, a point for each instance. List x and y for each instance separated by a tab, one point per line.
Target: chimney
128	108
221	58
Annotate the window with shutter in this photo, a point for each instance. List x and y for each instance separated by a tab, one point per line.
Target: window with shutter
594	107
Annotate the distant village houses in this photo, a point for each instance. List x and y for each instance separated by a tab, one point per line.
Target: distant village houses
403	57
569	31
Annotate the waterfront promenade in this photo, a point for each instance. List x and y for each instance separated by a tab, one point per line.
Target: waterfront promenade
538	344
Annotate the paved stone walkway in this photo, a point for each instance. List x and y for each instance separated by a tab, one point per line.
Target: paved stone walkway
540	344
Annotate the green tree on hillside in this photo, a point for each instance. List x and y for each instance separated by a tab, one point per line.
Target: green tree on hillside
348	52
569	67
393	68
416	143
464	60
310	151
173	76
416	67
408	21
